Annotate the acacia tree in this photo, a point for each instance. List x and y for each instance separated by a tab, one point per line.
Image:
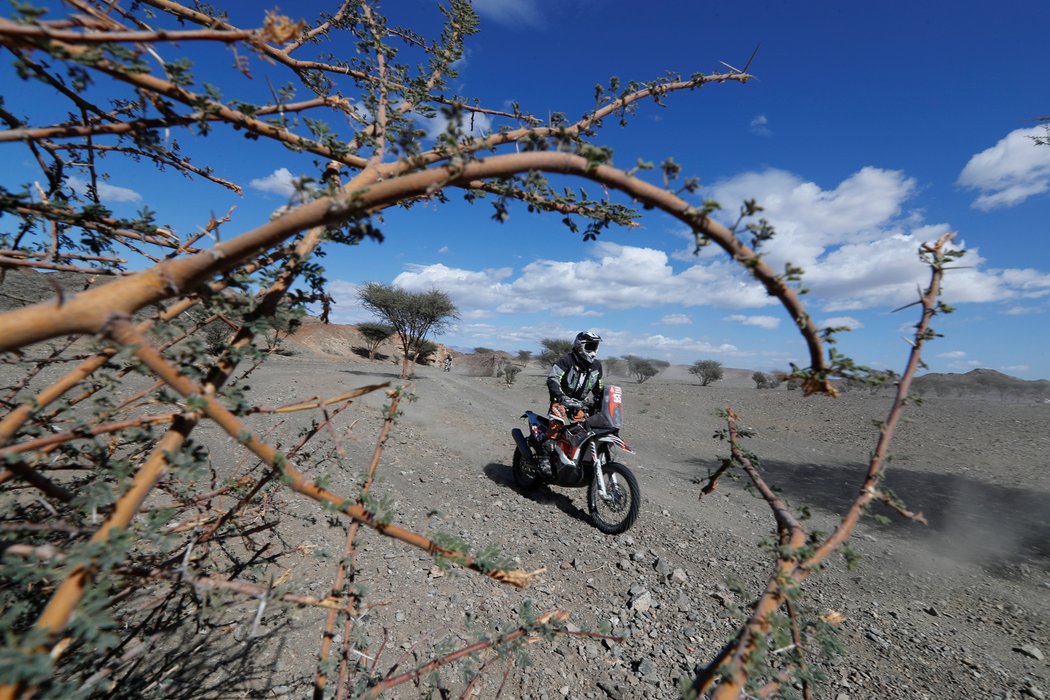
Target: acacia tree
374	335
122	485
553	348
413	315
707	370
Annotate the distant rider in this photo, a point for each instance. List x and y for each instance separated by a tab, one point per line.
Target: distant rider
573	377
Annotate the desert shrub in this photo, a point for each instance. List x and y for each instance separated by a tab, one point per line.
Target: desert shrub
375	334
425	350
524	356
614	367
762	380
707	370
553	348
510	373
644	370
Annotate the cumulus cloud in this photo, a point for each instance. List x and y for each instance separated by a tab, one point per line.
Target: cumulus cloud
1009	172
676	320
760	126
857	243
612	277
952	354
106	191
767	322
511	13
280	182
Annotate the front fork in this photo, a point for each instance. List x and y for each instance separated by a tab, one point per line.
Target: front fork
599	476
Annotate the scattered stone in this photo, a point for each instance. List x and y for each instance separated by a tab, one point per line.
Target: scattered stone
1031	651
643	602
610	689
663	568
645	667
678	576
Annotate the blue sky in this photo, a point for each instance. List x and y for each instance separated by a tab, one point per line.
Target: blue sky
870	128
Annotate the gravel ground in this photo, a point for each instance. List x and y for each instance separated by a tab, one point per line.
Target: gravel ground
957	609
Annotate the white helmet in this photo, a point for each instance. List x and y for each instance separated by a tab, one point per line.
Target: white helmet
586	345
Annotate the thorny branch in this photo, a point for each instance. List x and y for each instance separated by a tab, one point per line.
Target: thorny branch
798	558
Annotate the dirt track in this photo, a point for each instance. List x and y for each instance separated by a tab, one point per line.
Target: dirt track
952	610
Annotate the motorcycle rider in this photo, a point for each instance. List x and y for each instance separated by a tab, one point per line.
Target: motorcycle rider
573	376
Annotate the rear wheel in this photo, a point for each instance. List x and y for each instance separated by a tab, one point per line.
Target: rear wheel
618	509
526	475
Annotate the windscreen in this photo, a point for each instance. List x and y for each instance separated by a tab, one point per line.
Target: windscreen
612	406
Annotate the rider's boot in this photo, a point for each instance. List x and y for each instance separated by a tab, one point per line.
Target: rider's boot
550	447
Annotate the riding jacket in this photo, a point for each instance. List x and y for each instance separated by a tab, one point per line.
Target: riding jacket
568	378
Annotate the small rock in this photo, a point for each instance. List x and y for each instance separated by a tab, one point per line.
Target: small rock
645	667
1031	651
611	690
1033	692
643	602
663	568
638	555
678	576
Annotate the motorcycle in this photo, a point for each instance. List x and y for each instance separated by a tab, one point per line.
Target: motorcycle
582	457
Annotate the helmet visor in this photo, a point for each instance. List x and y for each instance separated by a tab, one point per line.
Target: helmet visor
590	346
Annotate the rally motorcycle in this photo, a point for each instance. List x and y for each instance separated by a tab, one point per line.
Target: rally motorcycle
583	457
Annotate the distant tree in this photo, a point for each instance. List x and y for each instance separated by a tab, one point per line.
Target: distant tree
524	356
412	314
483	351
425	350
553	348
374	334
614	366
707	370
643	370
761	379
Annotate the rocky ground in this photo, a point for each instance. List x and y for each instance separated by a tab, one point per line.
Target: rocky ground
957	609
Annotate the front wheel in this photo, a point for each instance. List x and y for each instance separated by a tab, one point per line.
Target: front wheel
525	474
617	510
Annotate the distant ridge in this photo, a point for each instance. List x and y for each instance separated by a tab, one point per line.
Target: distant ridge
980	382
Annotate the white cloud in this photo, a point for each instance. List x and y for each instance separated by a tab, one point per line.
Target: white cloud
760	126
106	191
767	322
952	355
808	219
841	322
675	320
280	182
511	13
1024	310
858	245
1009	172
